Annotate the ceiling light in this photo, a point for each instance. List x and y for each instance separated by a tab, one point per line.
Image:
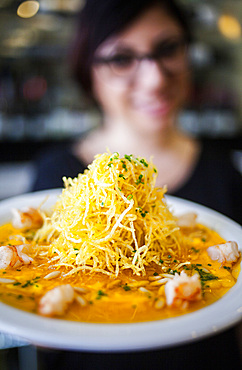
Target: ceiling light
28	9
229	26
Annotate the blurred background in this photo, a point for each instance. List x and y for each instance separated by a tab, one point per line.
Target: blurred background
40	104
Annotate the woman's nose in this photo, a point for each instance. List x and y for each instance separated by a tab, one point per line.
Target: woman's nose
151	75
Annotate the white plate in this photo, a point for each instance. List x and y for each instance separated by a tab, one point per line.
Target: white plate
62	334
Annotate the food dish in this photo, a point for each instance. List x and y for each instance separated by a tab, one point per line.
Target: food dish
123	337
111	251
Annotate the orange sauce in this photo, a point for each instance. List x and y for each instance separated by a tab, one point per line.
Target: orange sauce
123	299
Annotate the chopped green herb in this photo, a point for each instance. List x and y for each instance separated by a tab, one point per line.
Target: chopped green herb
121	175
204	276
139	181
226	267
126	287
124	165
155	273
155	170
203	240
17	283
169	256
195	250
28	283
100	294
161	261
128	157
143	214
130	196
144	162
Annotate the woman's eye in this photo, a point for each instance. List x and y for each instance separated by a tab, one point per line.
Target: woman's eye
121	61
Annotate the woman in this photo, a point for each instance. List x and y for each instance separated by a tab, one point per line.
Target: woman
131	59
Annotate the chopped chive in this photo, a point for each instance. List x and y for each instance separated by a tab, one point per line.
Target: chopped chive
144	162
128	157
139	181
195	250
100	294
226	267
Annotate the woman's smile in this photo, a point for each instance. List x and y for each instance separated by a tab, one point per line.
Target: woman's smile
153	106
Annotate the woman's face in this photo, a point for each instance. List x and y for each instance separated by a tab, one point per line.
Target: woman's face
145	92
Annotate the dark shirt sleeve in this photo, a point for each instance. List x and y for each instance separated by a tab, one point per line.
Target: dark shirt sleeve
215	183
52	165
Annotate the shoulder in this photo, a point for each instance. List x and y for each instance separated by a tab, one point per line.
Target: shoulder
53	163
215	181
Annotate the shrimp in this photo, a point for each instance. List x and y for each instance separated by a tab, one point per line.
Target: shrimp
182	289
56	301
13	256
187	220
224	252
27	218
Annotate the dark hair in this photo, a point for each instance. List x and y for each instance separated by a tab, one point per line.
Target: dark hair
100	19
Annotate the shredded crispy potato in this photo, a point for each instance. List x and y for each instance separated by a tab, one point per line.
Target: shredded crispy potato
111	218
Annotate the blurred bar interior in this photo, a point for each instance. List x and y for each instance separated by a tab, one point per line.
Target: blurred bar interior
40	103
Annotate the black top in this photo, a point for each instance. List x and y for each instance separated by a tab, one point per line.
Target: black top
214	181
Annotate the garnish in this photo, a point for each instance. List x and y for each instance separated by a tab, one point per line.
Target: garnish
195	250
139	181
100	294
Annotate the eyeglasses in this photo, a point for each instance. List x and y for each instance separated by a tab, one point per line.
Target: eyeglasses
169	55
